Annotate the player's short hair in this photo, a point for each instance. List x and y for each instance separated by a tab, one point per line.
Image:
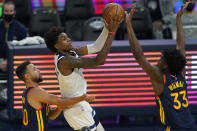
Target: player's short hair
175	60
51	37
8	2
22	69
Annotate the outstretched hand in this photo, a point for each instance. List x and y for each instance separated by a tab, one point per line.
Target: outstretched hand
180	13
130	15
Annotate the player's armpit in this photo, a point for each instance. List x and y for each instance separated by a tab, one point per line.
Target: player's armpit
54	113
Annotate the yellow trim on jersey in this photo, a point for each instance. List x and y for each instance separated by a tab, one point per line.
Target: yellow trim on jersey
168	128
25	117
40	120
162	114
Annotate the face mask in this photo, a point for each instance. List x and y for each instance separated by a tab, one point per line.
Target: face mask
190	7
8	18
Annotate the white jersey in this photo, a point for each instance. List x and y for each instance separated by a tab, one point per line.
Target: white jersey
73	85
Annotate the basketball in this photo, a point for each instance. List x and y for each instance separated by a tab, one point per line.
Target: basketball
113	11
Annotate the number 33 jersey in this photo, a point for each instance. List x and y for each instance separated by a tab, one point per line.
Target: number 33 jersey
173	103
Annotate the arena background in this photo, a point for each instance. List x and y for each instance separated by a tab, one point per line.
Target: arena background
124	96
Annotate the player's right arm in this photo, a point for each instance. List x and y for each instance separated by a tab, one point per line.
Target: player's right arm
42	96
180	42
69	62
153	71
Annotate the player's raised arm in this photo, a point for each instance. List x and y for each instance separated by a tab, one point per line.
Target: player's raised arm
151	70
69	61
82	62
180	42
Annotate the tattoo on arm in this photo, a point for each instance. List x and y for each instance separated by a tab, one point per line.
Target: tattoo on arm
72	62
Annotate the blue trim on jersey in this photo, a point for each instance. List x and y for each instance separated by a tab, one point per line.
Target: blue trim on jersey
92	126
93	113
60	55
95	119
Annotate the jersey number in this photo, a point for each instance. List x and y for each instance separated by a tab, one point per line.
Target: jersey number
177	104
25	117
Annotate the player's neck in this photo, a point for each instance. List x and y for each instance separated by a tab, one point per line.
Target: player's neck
65	51
31	84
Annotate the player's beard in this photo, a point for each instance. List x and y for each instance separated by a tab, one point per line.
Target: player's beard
38	80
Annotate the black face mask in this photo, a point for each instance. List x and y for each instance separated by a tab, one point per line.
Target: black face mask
190	7
8	18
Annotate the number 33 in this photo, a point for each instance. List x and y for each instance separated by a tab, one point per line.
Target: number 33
178	103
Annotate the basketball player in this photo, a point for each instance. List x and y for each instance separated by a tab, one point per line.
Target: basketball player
167	79
36	110
69	64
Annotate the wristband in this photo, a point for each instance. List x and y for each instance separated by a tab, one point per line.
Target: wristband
112	33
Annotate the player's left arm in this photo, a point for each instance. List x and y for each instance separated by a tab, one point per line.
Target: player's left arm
94	47
153	71
180	42
54	113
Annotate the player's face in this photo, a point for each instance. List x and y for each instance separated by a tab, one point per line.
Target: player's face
63	43
9	9
34	73
162	64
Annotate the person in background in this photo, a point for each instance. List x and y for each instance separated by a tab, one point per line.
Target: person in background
189	22
10	29
161	11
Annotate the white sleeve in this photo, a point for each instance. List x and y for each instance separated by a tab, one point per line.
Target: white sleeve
99	43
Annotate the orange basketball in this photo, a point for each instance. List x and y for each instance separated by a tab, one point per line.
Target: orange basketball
113	11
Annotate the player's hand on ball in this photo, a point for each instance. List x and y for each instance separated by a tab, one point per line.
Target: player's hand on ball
130	15
113	25
89	98
113	15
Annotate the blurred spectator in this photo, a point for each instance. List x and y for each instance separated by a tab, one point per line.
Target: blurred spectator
161	12
189	22
10	29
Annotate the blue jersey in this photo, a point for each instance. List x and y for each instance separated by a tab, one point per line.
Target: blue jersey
34	119
173	103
